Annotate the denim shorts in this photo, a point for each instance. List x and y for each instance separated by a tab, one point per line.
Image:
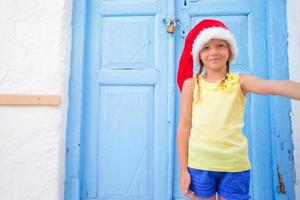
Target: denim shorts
229	185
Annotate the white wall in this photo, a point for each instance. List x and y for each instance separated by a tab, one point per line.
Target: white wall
34	59
293	18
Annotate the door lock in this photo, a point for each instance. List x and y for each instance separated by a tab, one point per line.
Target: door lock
171	24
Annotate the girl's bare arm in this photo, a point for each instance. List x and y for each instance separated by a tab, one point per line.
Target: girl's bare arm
184	124
250	83
183	134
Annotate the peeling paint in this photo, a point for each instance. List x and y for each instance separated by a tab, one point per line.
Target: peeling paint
293	19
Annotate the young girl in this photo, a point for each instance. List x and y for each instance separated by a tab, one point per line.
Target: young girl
212	150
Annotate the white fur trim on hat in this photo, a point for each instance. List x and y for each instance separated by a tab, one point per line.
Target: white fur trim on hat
213	33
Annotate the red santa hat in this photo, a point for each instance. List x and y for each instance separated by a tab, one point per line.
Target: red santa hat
198	36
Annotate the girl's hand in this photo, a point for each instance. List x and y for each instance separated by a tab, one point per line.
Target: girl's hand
185	180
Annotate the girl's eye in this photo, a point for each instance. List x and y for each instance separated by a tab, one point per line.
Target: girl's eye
221	45
205	48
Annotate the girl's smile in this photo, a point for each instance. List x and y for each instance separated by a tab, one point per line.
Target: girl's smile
215	60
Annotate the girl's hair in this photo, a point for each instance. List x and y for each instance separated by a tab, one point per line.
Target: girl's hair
199	74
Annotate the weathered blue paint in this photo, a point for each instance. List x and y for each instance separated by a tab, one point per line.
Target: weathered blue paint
280	108
121	120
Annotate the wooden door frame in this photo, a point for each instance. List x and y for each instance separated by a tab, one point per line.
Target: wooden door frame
74	122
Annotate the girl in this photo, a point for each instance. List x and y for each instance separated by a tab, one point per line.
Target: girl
213	152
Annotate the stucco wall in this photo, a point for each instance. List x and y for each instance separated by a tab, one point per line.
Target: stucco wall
34	59
293	19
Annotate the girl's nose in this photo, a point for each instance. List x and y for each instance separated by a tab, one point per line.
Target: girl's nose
213	50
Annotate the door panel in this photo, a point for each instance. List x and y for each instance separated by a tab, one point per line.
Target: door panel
126	150
122	52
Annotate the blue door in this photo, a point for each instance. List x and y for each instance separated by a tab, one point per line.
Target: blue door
249	21
121	124
125	137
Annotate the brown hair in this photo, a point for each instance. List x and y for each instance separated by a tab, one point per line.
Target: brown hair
200	72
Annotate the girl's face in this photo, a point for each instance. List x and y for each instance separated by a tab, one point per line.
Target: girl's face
215	54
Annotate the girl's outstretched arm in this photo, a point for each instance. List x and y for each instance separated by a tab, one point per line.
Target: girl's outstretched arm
250	83
183	134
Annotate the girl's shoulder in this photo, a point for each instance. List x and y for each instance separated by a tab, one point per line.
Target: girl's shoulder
246	77
189	81
188	85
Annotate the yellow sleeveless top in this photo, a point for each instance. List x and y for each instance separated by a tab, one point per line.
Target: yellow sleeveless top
216	140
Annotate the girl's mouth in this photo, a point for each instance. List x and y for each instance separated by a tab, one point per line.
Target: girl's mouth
214	59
